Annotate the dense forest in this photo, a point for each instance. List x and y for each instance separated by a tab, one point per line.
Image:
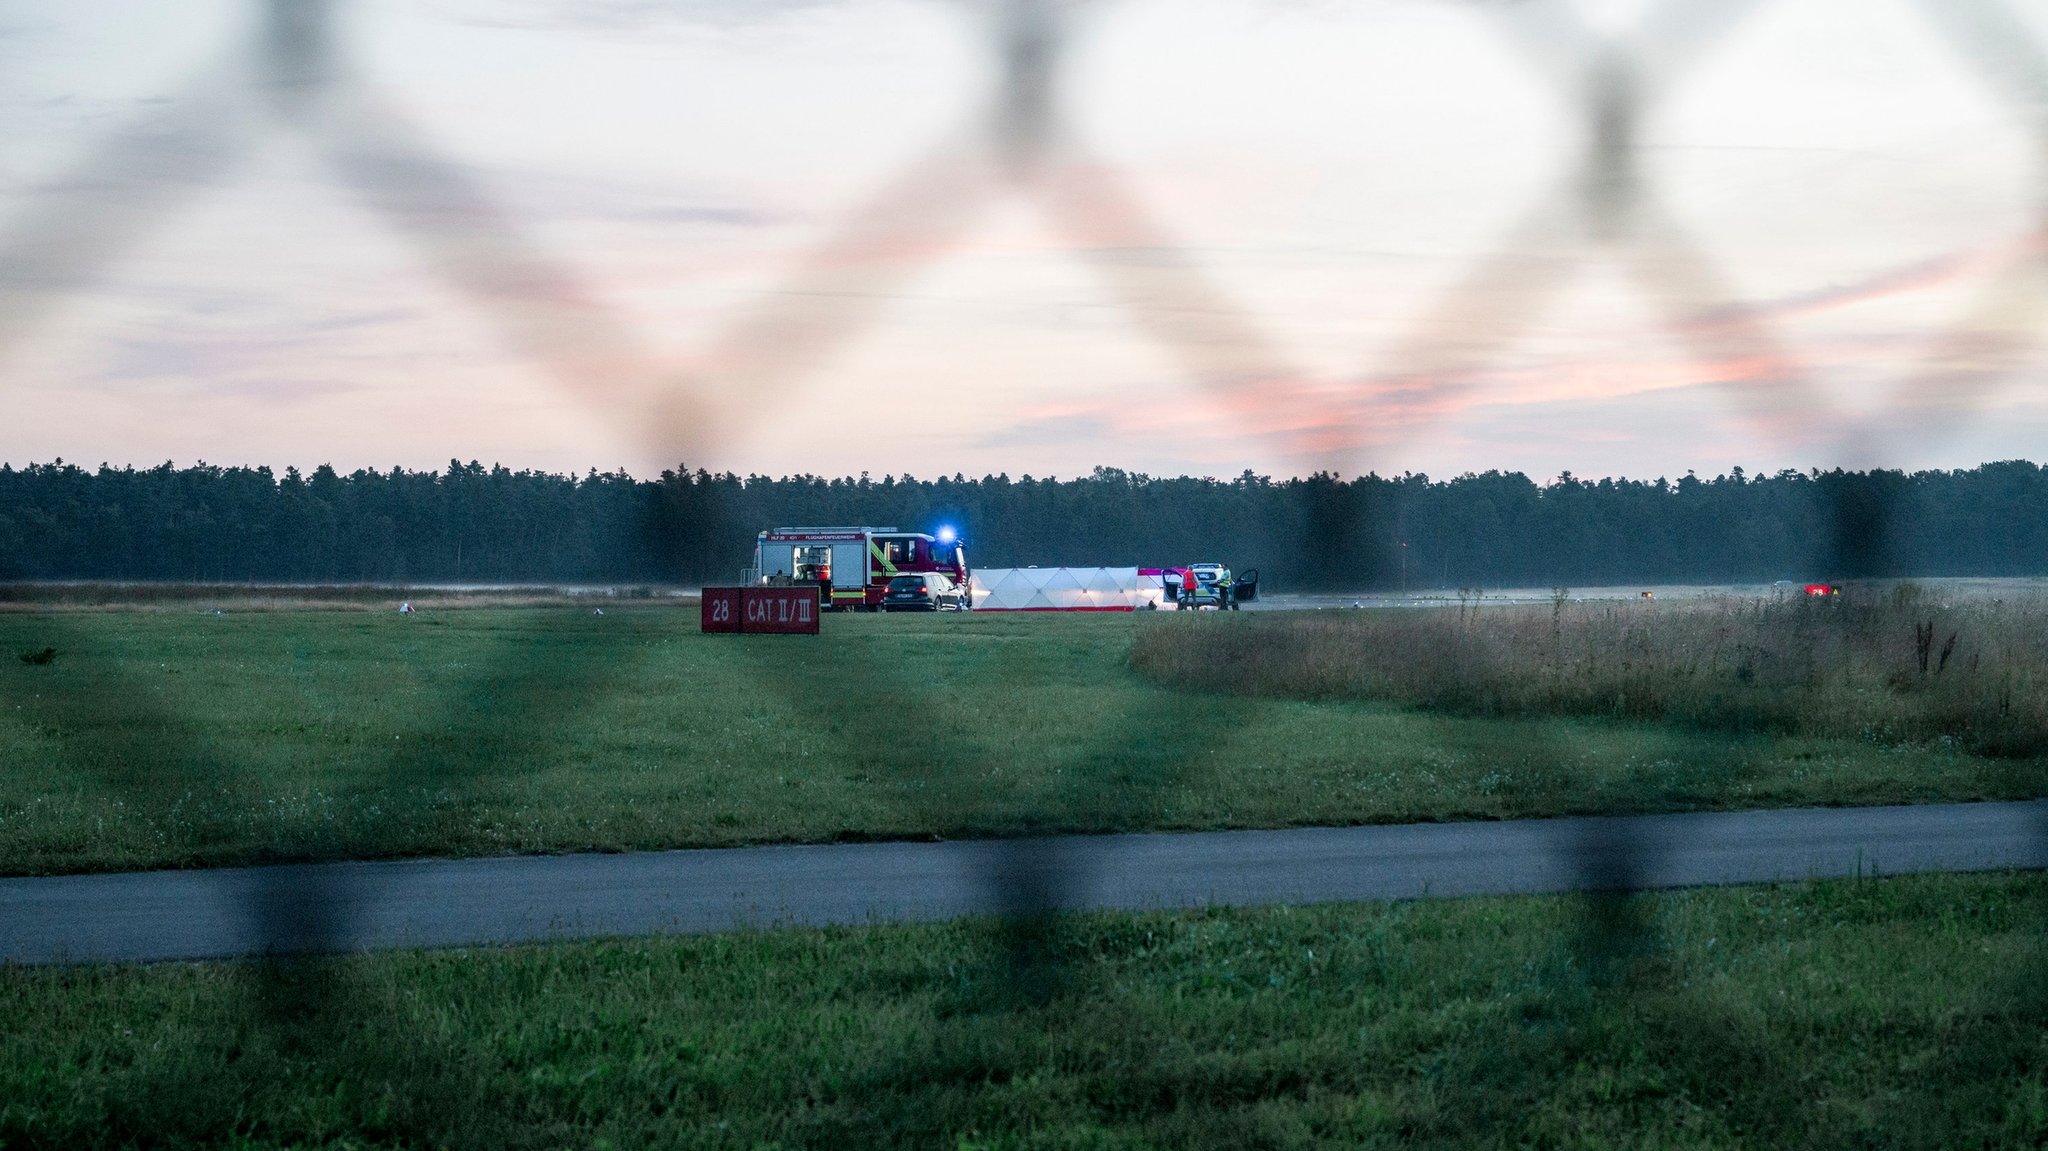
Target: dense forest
475	524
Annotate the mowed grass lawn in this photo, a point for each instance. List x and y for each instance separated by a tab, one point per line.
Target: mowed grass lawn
1906	1013
176	739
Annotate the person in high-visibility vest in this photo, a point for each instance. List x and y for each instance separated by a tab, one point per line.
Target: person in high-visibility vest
1226	598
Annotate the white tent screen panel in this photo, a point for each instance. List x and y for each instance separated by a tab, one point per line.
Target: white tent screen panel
1057	589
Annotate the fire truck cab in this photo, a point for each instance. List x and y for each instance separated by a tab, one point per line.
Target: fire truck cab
852	566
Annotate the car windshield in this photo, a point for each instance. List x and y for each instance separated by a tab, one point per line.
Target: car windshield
906	583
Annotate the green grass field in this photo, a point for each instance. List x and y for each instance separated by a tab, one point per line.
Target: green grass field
1905	1013
177	739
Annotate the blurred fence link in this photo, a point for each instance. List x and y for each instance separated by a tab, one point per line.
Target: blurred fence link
294	76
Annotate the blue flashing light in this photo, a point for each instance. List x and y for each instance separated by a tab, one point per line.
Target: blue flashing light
948	535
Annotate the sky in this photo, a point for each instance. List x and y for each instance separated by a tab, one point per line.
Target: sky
1024	236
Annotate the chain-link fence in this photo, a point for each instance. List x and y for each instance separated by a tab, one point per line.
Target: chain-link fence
293	77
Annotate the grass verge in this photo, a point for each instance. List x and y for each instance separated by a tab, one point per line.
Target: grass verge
178	597
177	740
1870	1013
1896	666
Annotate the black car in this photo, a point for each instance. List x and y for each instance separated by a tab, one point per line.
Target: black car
927	592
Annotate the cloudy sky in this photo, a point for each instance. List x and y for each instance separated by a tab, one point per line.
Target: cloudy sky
928	236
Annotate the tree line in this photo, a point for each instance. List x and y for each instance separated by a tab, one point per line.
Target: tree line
470	523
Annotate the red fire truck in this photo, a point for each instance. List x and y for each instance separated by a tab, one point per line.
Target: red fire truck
853	565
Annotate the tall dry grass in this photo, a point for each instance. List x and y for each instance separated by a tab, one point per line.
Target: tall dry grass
1902	666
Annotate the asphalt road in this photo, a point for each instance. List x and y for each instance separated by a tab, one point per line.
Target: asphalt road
438	903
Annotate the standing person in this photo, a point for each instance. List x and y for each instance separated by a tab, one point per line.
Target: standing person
1226	595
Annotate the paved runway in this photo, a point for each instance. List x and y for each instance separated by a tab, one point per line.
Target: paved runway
437	903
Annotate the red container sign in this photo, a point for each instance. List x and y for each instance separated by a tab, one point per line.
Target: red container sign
722	609
779	610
